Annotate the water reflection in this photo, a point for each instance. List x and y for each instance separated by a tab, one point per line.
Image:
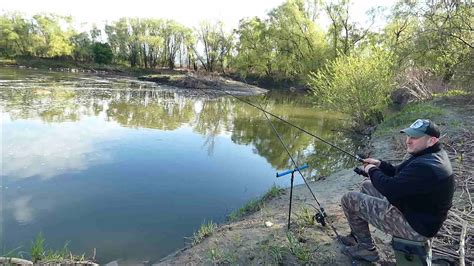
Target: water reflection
165	110
114	149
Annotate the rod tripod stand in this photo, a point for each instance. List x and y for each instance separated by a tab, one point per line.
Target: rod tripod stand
292	172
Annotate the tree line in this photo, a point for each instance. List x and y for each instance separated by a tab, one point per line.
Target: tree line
287	46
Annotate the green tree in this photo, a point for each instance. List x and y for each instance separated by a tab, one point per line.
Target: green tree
102	53
82	47
50	39
217	45
437	36
300	43
16	35
118	35
255	49
287	46
358	85
343	33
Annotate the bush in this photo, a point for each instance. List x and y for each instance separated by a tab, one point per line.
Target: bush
102	53
358	85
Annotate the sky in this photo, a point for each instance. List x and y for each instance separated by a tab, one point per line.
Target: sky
187	12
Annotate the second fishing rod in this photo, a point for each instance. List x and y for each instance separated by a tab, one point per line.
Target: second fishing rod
355	156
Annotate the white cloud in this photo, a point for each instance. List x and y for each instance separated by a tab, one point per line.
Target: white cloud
22	210
36	149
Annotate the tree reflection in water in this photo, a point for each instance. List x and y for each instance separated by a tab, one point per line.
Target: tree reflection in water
141	107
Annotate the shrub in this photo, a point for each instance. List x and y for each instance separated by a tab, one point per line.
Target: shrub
358	85
102	53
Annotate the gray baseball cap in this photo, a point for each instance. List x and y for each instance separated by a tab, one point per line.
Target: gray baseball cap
422	127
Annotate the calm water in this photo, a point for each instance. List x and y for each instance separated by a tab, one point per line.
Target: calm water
131	168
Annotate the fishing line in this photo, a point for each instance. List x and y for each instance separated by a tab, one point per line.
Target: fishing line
320	217
355	156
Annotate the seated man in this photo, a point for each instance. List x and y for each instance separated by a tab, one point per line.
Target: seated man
410	200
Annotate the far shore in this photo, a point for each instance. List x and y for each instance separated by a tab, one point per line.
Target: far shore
179	78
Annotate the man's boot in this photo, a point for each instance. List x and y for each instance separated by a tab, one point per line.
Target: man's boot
349	240
364	250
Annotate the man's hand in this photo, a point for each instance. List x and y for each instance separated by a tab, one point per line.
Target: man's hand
372	161
368	166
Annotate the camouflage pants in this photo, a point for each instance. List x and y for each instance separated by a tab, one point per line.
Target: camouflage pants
369	206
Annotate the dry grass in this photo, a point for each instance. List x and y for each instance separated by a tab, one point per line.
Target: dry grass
459	227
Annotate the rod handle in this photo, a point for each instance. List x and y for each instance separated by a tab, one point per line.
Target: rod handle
293	170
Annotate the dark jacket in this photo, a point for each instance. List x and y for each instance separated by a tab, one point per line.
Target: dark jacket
421	188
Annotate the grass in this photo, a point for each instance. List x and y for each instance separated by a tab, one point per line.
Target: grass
274	251
219	256
411	112
255	204
37	248
16	252
305	217
453	92
206	230
301	252
39	253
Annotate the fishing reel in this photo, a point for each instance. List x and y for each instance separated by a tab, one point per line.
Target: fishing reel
358	170
320	217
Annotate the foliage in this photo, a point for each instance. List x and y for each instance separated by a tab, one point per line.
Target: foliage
150	42
274	250
408	115
286	46
305	217
37	251
82	47
219	256
343	33
283	48
42	35
432	35
102	53
358	84
39	254
301	252
454	92
217	45
204	231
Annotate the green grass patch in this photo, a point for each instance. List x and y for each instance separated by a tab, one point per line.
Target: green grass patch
39	253
273	252
305	217
301	252
218	256
411	112
255	204
454	92
206	230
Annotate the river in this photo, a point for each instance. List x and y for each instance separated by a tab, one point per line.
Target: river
131	168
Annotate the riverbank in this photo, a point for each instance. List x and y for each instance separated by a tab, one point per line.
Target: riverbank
179	78
200	80
261	237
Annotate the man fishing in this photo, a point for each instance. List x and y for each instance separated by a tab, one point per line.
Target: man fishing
410	200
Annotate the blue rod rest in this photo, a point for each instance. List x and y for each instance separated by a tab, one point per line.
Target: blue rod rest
292	171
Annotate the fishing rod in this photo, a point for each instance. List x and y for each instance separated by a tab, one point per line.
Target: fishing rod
355	156
321	215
